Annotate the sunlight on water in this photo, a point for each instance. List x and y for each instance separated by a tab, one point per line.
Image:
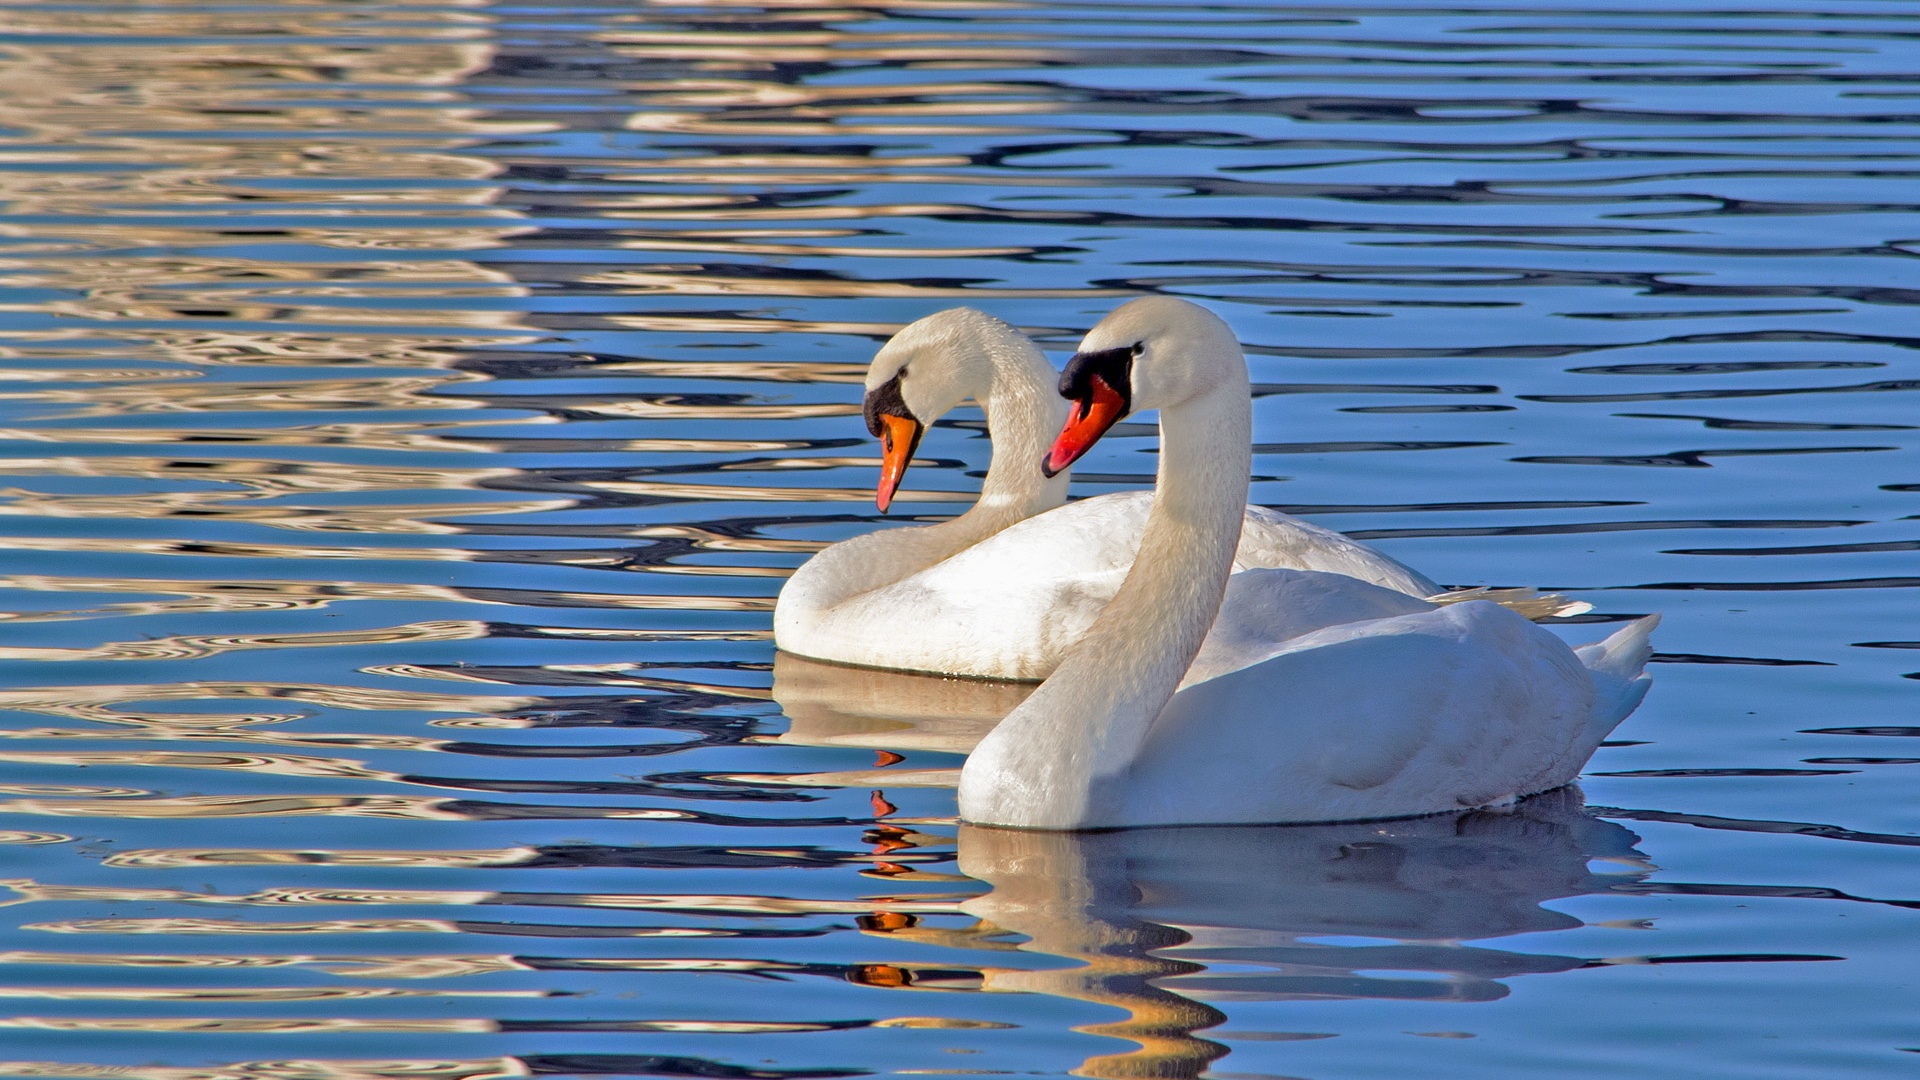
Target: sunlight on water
409	412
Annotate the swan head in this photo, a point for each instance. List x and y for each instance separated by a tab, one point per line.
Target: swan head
922	372
1150	353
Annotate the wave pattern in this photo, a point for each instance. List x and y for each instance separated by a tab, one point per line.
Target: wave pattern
408	412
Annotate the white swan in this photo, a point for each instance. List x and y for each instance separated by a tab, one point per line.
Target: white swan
1004	590
1440	708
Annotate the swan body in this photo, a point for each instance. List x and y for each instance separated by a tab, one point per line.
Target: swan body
1354	705
1006	589
1011	606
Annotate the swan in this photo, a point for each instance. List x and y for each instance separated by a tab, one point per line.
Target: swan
1004	590
1421	709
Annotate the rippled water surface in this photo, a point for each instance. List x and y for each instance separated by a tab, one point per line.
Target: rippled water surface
410	411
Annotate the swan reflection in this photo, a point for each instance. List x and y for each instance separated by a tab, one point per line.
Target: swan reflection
892	712
836	705
1168	922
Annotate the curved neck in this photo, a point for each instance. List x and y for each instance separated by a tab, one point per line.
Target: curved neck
1059	761
1023	412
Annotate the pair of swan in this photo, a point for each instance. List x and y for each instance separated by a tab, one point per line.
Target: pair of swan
1006	589
1318	696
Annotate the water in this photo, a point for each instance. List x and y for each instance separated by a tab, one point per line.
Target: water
410	411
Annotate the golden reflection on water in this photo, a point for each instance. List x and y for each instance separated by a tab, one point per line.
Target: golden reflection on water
504	1068
395	518
889	976
213	733
418	436
337	1025
169	200
252	305
195	396
231	550
64	375
193	646
237	342
1164	921
303	17
212	346
247	993
169	857
252	1026
262	477
835	705
326	926
196	596
27	891
187	807
89	702
276	764
389	967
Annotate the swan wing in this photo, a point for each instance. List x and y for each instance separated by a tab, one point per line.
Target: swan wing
1265	609
1272	539
1012	605
1460	706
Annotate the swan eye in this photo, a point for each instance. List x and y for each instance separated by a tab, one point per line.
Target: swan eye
885	400
1139	347
1111	367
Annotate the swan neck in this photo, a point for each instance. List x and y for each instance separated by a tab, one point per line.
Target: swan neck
1060	760
1158	620
1023	411
1015	388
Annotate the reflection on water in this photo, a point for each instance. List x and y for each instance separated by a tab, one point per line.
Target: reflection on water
1166	921
408	413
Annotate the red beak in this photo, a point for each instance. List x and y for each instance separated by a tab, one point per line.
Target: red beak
1090	419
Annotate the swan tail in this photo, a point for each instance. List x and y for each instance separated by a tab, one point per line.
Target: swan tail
1531	603
1618	668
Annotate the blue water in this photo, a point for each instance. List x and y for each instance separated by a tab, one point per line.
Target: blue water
409	412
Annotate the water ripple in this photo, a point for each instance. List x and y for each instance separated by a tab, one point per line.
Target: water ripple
409	412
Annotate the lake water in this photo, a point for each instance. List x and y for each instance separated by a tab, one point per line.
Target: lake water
410	411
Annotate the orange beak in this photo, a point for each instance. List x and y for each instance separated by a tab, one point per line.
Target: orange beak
899	438
1090	419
